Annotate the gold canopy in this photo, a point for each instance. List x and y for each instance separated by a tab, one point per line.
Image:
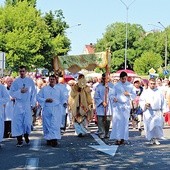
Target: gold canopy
74	63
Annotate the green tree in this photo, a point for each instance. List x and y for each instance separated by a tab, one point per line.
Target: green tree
22	34
147	61
114	38
30	39
14	2
59	44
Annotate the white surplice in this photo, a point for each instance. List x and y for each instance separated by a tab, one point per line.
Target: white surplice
4	98
121	110
153	117
51	112
22	116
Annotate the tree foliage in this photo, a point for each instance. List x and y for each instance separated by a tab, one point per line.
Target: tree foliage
23	34
59	43
114	39
29	38
140	43
147	61
14	2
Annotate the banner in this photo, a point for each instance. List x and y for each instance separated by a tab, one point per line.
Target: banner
75	63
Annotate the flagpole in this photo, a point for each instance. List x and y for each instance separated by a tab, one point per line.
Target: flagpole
106	83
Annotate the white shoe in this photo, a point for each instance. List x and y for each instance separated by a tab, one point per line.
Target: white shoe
157	142
151	142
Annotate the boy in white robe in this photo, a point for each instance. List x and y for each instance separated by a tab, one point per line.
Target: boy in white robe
50	98
153	104
4	98
123	93
9	109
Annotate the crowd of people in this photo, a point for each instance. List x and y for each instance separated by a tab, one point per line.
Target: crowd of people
111	102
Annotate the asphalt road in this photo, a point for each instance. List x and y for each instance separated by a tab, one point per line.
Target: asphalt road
81	153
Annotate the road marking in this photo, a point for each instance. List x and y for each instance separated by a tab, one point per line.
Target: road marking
36	144
97	139
102	147
32	163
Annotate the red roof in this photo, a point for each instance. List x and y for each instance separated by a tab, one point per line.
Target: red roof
90	49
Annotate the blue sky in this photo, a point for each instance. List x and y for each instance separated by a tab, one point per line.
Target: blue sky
96	15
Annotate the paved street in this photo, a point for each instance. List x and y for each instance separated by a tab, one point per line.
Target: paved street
81	153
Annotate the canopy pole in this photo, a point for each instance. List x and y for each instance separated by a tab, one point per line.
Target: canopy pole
106	83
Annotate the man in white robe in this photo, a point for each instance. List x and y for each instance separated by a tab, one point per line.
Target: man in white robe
103	106
9	109
121	96
24	92
4	98
63	86
50	98
153	104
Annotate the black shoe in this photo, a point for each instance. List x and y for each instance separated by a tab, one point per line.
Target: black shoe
107	136
20	141
26	138
48	142
19	144
54	142
80	135
122	142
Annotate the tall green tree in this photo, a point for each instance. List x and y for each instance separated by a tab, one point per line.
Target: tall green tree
29	38
22	34
59	43
114	38
147	61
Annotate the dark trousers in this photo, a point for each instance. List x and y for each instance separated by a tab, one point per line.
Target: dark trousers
7	129
104	124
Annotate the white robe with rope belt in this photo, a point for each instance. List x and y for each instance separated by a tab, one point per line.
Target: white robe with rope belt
51	112
153	117
22	116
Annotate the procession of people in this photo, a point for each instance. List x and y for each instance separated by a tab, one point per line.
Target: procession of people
114	105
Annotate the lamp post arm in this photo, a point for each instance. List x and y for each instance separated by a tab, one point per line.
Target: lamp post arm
127	6
161	25
74	25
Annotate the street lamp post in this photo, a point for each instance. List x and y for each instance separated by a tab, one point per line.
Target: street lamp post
126	39
166	45
76	25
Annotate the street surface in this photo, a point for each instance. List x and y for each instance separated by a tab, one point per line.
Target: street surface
85	153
